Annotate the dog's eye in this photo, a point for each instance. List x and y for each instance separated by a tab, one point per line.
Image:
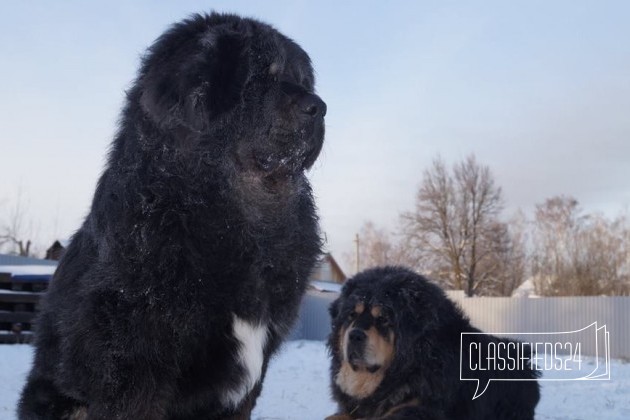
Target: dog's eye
383	321
352	315
290	88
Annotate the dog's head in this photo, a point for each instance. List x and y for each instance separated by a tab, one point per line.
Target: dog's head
366	334
234	87
377	322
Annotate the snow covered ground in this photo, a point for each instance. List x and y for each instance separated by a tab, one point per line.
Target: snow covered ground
296	388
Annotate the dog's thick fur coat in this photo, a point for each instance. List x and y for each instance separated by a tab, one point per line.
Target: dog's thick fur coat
189	268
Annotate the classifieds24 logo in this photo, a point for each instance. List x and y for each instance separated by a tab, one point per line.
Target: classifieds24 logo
557	356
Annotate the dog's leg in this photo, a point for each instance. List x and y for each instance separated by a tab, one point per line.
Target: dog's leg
142	396
127	408
41	400
247	406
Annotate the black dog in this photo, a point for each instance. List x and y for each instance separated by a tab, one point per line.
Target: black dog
189	269
395	347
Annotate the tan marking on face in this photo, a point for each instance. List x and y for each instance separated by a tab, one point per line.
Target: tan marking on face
376	311
380	349
359	308
362	383
342	342
358	384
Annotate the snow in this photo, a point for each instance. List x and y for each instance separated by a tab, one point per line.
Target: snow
15	363
297	384
297	388
326	286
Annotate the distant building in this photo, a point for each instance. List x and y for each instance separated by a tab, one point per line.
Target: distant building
324	286
57	249
327	270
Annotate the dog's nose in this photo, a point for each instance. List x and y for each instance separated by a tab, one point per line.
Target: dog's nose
312	106
357	336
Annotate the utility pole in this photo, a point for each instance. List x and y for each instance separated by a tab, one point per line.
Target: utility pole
356	243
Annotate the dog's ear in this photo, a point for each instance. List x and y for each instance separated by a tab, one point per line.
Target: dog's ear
348	287
230	71
422	300
188	84
410	296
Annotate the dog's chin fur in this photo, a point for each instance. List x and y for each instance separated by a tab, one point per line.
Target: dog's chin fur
359	365
358	382
418	376
190	266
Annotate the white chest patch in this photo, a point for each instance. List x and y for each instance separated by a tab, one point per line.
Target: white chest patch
252	338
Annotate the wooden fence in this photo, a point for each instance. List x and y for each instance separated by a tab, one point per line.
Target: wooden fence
19	299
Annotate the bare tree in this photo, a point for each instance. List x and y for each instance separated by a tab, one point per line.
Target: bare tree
14	231
602	259
579	254
517	259
454	229
624	228
505	267
555	230
376	247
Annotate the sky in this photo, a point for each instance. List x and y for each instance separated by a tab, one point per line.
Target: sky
538	90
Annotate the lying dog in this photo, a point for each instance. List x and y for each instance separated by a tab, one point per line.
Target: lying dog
395	347
189	269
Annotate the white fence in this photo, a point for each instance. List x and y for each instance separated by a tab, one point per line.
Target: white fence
553	314
501	315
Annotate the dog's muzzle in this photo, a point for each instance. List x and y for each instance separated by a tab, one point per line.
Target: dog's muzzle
311	106
357	340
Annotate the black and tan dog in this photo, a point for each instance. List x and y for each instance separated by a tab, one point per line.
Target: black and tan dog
395	347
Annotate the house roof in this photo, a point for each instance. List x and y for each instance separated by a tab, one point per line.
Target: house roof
63	243
6	259
328	256
325	286
28	273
